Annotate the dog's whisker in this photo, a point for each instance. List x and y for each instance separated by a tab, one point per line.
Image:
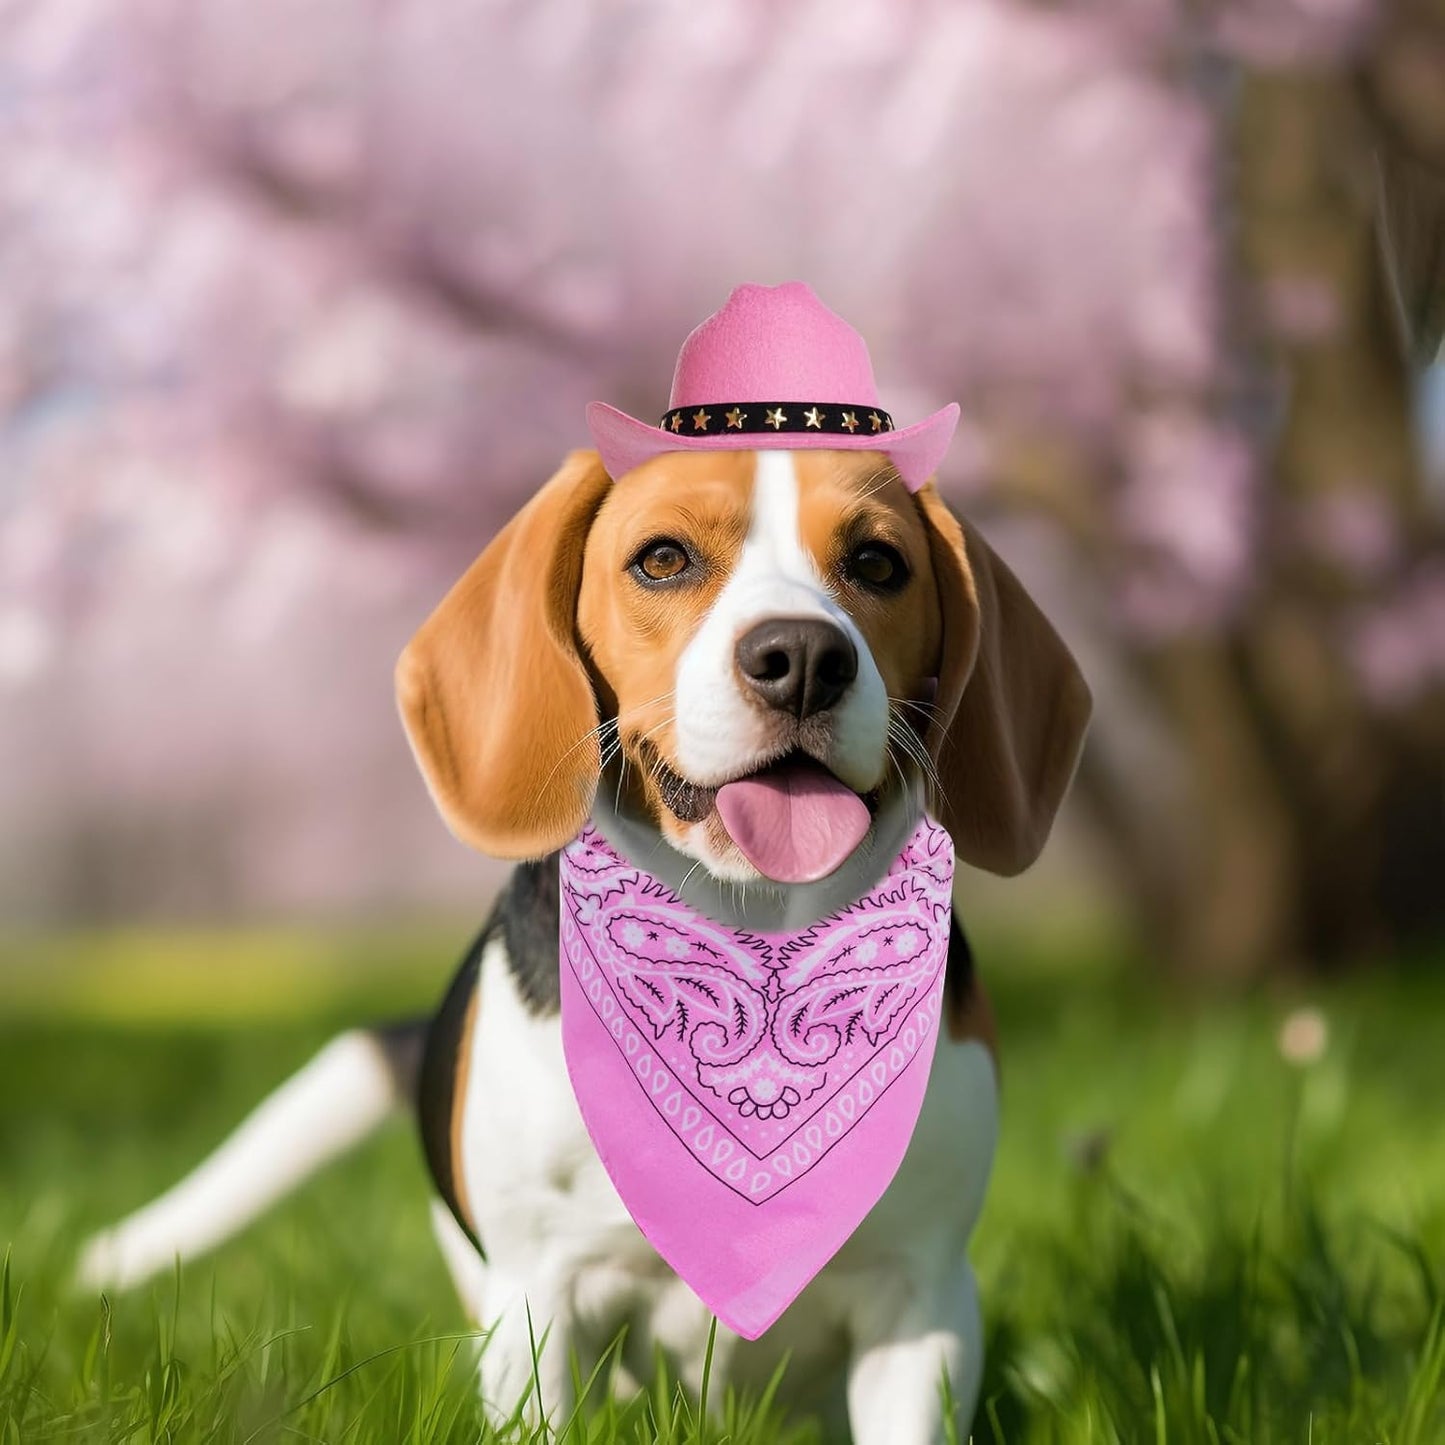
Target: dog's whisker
618	747
896	766
931	710
930	775
649	733
897	741
912	747
909	739
688	874
656	728
581	742
651	702
873	481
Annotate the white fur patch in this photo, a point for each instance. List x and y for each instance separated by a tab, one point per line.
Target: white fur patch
720	734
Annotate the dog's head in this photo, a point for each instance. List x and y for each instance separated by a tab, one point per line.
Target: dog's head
757	649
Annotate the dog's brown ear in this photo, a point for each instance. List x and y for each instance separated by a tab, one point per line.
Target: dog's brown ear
1011	706
497	704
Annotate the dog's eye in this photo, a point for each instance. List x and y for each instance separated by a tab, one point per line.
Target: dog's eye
661	561
877	565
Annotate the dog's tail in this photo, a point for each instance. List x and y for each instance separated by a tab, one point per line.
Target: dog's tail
343	1095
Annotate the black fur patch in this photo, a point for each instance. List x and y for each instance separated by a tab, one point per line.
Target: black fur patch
403	1044
958	970
526	914
436	1094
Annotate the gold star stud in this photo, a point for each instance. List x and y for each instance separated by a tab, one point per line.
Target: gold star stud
776	417
850	420
876	420
700	419
677	421
814	418
736	417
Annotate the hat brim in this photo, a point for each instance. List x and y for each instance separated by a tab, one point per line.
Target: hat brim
625	443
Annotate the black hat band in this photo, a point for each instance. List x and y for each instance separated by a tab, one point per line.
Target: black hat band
761	418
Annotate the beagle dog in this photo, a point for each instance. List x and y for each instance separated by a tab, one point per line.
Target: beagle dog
619	652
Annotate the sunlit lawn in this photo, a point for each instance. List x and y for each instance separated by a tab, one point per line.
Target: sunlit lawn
1188	1238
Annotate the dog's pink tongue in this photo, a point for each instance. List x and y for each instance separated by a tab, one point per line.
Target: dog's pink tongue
794	823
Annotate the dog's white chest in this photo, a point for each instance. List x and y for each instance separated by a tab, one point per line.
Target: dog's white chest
557	1234
533	1181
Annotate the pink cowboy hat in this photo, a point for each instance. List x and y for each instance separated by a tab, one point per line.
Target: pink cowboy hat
773	368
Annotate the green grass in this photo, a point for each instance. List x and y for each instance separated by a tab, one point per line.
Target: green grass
1188	1239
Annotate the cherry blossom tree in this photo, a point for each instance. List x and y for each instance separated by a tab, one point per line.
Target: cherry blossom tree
300	300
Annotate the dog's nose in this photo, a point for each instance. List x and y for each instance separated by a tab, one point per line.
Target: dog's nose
800	665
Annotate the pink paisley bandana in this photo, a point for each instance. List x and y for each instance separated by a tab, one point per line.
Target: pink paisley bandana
751	1095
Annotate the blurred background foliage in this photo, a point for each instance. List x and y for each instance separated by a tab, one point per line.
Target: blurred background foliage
299	301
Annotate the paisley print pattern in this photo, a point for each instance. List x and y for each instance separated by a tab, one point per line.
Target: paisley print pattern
761	1053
